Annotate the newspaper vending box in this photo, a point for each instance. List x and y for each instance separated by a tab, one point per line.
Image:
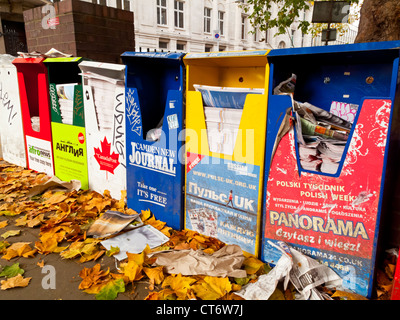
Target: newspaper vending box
67	119
329	124
11	130
226	109
35	106
155	140
104	105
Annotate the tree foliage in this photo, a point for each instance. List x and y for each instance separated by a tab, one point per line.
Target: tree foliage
288	11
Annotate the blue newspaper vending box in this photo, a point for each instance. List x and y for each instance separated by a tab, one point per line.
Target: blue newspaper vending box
332	141
155	140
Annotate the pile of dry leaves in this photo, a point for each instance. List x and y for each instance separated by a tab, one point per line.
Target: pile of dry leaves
64	217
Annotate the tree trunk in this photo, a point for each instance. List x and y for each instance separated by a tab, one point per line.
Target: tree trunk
379	21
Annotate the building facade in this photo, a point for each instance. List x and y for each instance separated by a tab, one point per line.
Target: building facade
211	25
203	25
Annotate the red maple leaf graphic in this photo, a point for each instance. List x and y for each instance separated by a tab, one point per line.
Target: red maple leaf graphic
107	161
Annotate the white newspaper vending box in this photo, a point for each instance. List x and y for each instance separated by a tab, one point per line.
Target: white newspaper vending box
104	104
11	129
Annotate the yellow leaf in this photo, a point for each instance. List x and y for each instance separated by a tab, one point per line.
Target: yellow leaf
55	198
18	249
146	214
21	222
10	233
138	258
131	270
180	284
49	242
94	289
141	258
94	256
17	281
35	221
112	251
130	211
107	193
92	276
73	250
252	265
153	296
158	224
64	207
348	295
3	224
165	294
167	231
212	288
155	274
99	203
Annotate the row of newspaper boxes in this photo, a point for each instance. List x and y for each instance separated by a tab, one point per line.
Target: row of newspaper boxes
250	147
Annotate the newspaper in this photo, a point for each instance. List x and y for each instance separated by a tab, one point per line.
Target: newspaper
135	241
286	86
112	222
321	138
103	90
223	107
321	135
52	53
305	273
65	94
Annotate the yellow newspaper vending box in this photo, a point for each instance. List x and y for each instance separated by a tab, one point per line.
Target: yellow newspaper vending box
226	120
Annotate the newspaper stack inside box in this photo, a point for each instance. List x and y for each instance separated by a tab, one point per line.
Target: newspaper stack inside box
65	93
321	135
103	89
223	109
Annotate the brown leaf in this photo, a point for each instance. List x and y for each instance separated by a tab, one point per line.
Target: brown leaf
55	198
17	281
19	249
92	276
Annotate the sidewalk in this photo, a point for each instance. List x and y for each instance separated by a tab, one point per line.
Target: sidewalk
52	277
67	278
53	225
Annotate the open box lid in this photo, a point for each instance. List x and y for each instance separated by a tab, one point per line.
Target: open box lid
112	70
137	59
155	55
369	50
63	59
6	60
228	58
30	65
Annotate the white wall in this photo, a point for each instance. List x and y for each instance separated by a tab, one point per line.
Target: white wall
148	34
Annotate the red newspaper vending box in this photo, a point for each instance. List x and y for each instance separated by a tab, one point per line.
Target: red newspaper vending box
35	107
396	282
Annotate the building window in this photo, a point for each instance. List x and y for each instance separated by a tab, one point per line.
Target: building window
207	20
243	27
180	46
221	22
281	45
292	36
162	12
222	48
208	48
163	44
178	11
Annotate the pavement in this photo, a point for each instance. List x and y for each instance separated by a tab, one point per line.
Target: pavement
65	282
